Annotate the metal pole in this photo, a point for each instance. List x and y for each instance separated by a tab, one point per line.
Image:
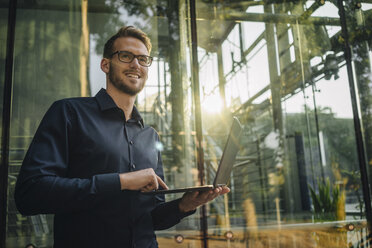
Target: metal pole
7	101
357	122
221	76
198	120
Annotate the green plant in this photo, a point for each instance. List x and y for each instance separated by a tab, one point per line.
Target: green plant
353	185
325	202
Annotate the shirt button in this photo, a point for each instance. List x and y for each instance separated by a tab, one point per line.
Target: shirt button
133	166
131	142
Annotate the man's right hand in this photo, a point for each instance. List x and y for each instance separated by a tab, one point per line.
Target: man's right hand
144	180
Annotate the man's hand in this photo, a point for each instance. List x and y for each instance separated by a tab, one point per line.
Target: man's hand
190	201
144	180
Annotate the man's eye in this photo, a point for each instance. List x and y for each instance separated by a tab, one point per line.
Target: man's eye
125	56
143	59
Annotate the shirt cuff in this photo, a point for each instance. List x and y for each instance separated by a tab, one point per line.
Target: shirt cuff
107	182
176	208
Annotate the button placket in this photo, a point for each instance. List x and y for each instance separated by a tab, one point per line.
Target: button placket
132	166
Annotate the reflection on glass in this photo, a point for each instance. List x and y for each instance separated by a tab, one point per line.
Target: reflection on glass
3	49
50	63
284	76
3	42
57	54
276	65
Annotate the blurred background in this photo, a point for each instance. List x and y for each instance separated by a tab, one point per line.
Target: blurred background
296	73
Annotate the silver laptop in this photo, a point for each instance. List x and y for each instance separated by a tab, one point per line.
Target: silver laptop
224	168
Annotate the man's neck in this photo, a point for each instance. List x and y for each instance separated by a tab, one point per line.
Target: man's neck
122	100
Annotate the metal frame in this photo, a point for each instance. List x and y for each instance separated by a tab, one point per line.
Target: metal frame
357	120
198	119
7	101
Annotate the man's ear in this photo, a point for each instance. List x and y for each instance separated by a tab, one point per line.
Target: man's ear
105	65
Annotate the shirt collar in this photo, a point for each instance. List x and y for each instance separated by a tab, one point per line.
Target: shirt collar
136	116
105	102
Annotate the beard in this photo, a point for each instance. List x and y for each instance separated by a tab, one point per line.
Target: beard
123	86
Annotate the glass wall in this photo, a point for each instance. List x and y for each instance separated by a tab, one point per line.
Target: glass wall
3	44
4	10
47	64
58	48
278	66
358	17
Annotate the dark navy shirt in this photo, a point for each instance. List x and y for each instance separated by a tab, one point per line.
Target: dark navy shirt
72	170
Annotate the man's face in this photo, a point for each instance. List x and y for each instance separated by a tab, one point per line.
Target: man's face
130	77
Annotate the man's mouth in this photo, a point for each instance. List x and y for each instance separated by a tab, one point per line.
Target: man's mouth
132	75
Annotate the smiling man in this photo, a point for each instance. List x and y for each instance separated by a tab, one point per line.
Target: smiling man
91	158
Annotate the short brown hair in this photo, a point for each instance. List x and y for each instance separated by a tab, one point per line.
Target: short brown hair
128	31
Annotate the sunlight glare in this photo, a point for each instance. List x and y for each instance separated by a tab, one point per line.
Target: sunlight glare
212	104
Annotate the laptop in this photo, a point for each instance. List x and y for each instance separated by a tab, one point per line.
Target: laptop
224	168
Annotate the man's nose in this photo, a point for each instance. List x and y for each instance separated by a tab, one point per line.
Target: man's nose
135	63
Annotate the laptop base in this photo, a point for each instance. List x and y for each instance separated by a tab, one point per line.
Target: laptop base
180	190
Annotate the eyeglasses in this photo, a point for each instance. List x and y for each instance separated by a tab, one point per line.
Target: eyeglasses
127	57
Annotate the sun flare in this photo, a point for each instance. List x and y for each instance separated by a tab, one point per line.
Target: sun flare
212	104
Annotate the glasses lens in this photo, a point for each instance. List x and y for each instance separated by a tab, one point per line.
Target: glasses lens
126	57
144	60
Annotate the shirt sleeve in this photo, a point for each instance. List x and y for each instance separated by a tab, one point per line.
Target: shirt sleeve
166	214
43	185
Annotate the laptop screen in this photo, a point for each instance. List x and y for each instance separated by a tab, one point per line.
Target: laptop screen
229	154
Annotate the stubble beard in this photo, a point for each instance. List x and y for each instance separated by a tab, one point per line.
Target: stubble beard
121	85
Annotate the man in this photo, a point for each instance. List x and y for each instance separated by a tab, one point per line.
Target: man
91	158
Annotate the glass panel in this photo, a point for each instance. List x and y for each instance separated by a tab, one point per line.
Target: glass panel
58	49
279	67
358	21
44	45
3	40
3	43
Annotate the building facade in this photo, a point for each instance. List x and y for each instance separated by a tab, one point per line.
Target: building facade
297	74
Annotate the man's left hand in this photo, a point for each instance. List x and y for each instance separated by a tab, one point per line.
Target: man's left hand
190	201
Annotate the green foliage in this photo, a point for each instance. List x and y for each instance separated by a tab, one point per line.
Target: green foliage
338	133
353	185
325	202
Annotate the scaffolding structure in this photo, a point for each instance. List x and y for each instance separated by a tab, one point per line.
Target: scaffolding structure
191	37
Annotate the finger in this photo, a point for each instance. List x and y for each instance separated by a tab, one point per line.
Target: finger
191	195
156	183
146	189
213	195
205	195
225	190
221	190
152	185
217	190
161	182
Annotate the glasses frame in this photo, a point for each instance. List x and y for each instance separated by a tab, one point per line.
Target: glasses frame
134	56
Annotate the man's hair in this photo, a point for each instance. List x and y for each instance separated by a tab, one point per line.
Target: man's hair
128	31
